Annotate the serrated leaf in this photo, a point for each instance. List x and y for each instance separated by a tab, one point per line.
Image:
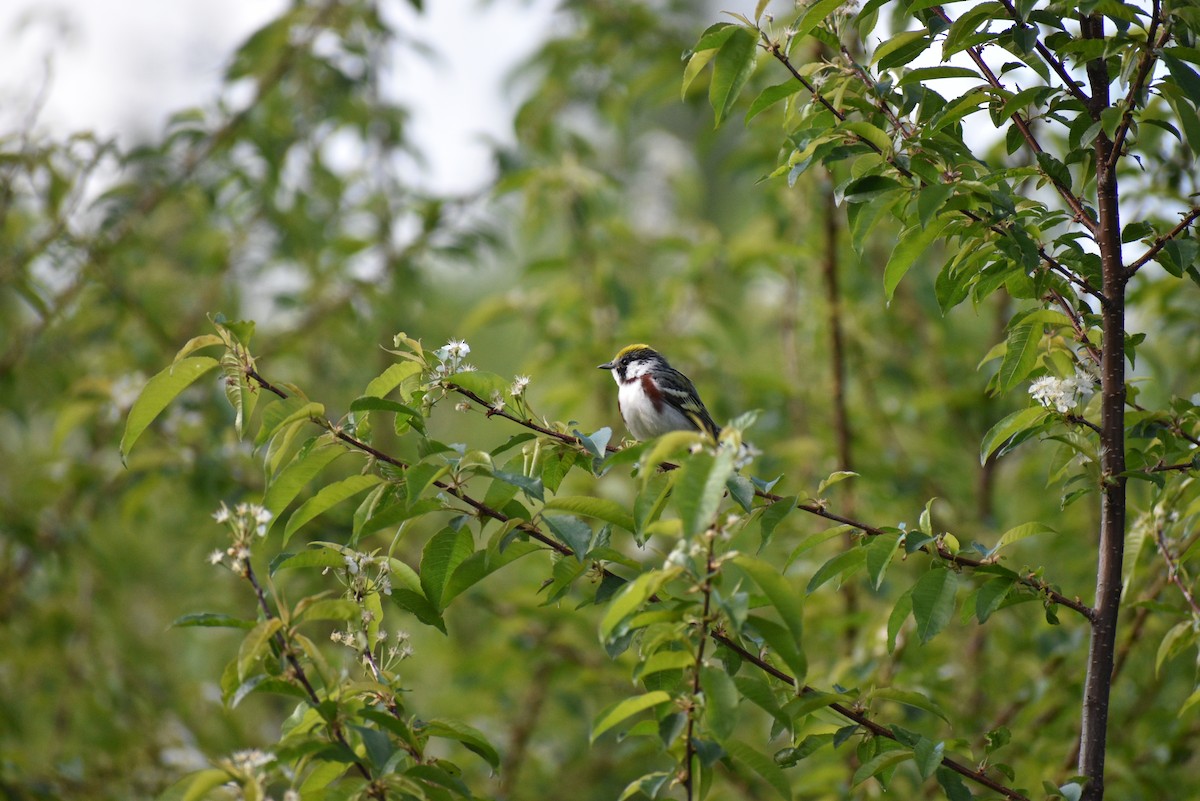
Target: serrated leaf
880	763
158	394
469	736
327	498
391	378
732	68
1173	641
1020	357
700	487
600	508
933	601
787	602
648	785
772	95
280	413
254	645
630	598
721	701
572	531
1008	427
303	468
772	516
912	698
331	609
880	551
623	710
835	477
444	552
761	764
840	565
912	243
313	557
900	49
1023	531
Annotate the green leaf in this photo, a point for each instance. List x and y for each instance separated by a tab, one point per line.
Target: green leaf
923	74
302	469
990	595
835	477
772	516
572	531
911	698
444	552
531	486
814	15
700	487
952	785
158	394
928	756
600	508
732	68
880	763
313	557
933	601
1181	634
1184	76
772	95
391	378
648	785
331	609
1009	427
720	701
1020	356
623	710
482	564
197	785
630	598
255	645
469	736
787	602
782	642
327	498
880	551
761	764
900	49
841	565
912	243
241	396
280	413
1018	533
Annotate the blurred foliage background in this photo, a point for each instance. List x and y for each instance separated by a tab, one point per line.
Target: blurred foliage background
620	215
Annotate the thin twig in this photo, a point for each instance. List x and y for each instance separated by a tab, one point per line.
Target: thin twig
1161	242
977	776
1140	76
1173	572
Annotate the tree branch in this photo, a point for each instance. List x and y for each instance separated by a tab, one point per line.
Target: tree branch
1140	76
977	776
1162	241
1031	141
1173	572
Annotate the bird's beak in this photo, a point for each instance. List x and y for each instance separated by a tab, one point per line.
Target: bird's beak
608	366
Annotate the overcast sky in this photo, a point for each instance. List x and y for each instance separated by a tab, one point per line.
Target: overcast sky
121	67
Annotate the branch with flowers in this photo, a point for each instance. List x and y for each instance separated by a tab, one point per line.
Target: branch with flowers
694	597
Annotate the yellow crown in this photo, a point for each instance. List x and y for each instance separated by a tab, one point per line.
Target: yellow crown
631	349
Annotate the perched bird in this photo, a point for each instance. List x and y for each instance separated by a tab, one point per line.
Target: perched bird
654	397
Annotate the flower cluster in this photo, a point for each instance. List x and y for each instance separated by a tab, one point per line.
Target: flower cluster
1061	394
451	358
245	521
364	573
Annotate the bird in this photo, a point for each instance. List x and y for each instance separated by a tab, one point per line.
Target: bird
654	398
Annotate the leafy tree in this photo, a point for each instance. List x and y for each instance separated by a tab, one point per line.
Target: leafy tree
887	596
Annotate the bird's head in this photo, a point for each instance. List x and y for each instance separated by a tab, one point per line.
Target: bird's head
633	361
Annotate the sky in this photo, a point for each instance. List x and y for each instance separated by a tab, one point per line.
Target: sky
122	67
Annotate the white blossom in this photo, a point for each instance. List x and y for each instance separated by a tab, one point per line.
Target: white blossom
519	384
1054	393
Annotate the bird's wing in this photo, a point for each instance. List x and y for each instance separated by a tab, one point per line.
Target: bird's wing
678	390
